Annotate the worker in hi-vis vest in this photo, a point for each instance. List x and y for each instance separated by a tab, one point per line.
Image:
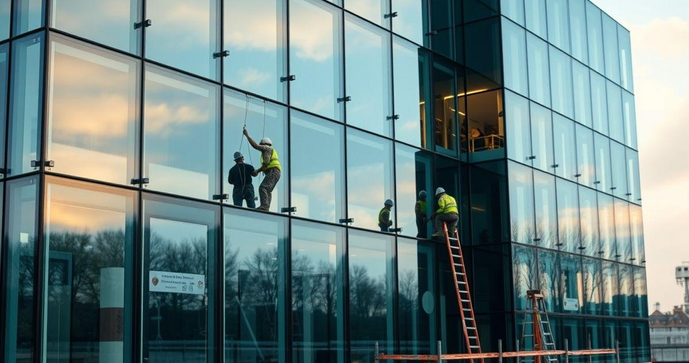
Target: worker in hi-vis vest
447	213
384	221
421	210
270	166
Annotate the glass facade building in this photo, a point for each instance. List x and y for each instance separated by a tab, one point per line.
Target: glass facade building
120	242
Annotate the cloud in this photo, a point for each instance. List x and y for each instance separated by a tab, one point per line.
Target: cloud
163	118
253	77
311	34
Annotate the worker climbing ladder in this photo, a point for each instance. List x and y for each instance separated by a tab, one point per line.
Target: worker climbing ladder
540	333
466	309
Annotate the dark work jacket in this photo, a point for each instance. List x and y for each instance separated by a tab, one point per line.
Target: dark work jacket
239	172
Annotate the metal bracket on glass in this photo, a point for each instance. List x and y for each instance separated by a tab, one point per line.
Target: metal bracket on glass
344	99
596	182
643	261
632	259
532	157
224	53
391	15
2	170
555	165
582	247
431	33
613	188
577	175
393	117
601	252
289	78
289	210
559	244
629	194
141	181
537	240
221	197
396	230
145	24
638	200
38	163
618	256
347	221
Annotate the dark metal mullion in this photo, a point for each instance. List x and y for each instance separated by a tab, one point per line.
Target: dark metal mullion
139	329
287	89
219	314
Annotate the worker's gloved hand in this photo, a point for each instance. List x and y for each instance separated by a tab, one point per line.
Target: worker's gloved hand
255	173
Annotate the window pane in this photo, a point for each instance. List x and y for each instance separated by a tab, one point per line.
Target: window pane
255	35
547	279
519	137
521	203
585	157
577	25
615	112
636	222
539	76
595	37
542	137
546	210
26	92
619	170
371	293
367	54
571	280
489	212
626	294
588	210
179	244
19	262
316	61
536	17
629	114
410	78
486	126
28	15
441	27
582	94
90	238
568	215
107	22
254	248
369	178
4	79
603	169
561	82
184	34
624	42
325	172
592	288
92	129
599	103
606	219
514	49
373	10
610	287
622	231
612	51
5	13
485	67
565	150
414	175
411	19
633	177
524	267
513	9
181	134
558	31
266	116
640	298
445	107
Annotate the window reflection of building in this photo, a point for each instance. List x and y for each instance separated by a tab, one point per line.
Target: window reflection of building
485	124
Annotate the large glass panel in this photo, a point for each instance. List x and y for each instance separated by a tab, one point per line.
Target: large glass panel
486	126
577	27
417	296
521	203
586	170
624	43
484	68
514	49
546	209
615	119
524	269
513	9
588	211
626	291
415	200
4	79
542	137
371	293
565	149
410	78
317	292
255	35
610	287
518	128
369	179
445	107
582	93
595	37
612	51
92	129
184	34
107	22
26	108
548	279
640	298
260	115
411	20
558	21
592	275
367	52
636	223
89	235
629	114
181	134
618	162
315	61
489	212
179	240
373	10
254	255
19	262
317	182
571	283
28	15
603	168
536	17
568	216
623	231
539	75
441	28
633	177
5	14
561	82
606	218
599	103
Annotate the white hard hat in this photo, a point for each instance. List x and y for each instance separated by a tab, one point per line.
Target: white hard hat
238	155
422	194
439	191
389	202
266	141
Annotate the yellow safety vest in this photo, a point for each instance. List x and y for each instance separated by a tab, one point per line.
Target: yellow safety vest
446	205
274	162
380	217
422	206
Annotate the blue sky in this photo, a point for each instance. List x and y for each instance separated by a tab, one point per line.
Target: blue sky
660	50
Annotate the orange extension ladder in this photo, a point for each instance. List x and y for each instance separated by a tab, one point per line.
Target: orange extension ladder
541	332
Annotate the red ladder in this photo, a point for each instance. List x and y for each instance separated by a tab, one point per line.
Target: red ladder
466	309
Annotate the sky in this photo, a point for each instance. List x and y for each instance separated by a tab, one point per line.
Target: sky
660	53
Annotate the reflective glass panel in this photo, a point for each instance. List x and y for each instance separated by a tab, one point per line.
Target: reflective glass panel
184	34
255	35
263	119
413	170
441	29
254	255
565	149
577	27
518	133
610	288
640	299
568	215
371	293
181	129
542	137
582	93
4	79
410	77
633	177
595	37
624	42
536	17
548	280
19	262
445	107
588	211
546	209
592	276
90	235
524	269
369	179
571	283
486	126
603	168
626	292
317	180
586	170
513	9
599	103
26	92
411	19
606	219
92	129
521	203
484	68
615	118
489	212
107	22
373	10
28	15
619	170
629	114
367	52
561	82
539	76
514	49
315	57
317	292
5	14
623	232
636	223
612	51
558	20
179	239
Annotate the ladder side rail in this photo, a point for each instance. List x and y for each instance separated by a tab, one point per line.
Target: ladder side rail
468	291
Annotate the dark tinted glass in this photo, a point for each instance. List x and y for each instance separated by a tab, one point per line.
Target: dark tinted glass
488	203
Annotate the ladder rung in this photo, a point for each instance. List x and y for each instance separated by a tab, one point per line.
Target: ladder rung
461	282
469	319
453	239
474	346
457	264
471	327
465	309
455	247
472	337
456	255
464	300
460	273
463	292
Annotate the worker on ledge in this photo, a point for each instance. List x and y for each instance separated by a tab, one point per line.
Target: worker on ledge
421	216
384	221
240	177
447	213
270	166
